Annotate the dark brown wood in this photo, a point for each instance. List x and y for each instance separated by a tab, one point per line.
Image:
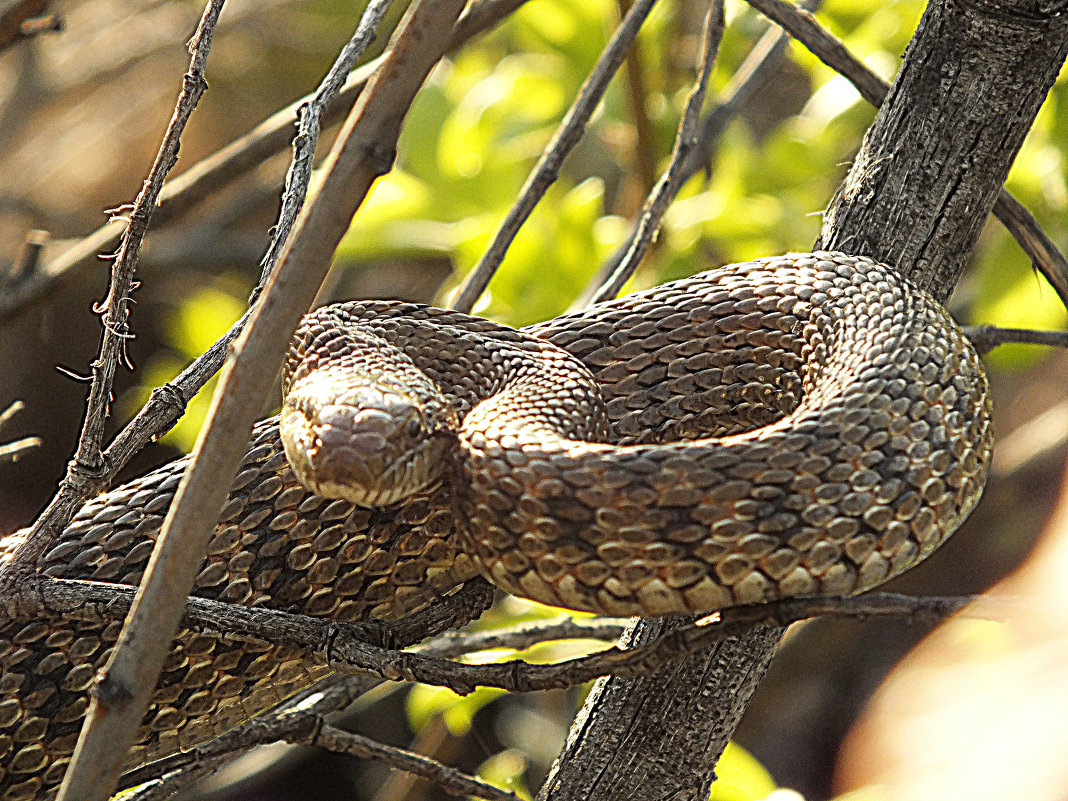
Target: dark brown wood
922	186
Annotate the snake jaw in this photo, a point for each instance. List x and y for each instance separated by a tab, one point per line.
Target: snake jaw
370	441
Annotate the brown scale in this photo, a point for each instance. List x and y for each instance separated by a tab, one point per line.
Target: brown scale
876	445
277	546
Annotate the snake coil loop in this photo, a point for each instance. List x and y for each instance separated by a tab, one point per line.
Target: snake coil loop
796	425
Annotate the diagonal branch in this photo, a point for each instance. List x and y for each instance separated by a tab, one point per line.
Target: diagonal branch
1021	224
686	141
363	151
547	169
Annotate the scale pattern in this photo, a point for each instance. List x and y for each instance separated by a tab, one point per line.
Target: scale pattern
838	430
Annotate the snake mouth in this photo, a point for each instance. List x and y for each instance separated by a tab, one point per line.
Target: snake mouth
371	442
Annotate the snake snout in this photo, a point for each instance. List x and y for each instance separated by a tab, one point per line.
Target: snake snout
364	441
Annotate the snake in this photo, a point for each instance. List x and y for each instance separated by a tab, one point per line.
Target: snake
785	427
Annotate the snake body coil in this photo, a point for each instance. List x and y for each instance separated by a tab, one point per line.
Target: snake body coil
791	426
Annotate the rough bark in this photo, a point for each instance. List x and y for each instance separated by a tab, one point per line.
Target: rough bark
935	158
922	185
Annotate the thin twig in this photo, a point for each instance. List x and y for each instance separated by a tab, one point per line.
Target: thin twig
519	676
987	337
359	648
9	413
524	635
644	149
755	72
309	122
668	185
165	777
89	462
362	152
13	451
451	780
1023	227
547	169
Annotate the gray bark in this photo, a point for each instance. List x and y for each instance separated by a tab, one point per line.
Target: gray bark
917	196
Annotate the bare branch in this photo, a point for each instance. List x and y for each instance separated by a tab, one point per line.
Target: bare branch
547	170
524	635
236	159
88	462
754	72
451	780
309	122
372	648
12	451
987	337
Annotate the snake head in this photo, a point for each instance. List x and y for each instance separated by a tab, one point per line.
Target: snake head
370	440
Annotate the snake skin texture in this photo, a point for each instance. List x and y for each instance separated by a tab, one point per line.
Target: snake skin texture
836	431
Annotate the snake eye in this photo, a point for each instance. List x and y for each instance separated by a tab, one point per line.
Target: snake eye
412	428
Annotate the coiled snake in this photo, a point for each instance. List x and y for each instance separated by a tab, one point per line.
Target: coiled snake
790	426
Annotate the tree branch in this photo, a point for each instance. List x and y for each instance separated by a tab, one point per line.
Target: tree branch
89	462
218	170
671	180
987	337
1023	227
363	151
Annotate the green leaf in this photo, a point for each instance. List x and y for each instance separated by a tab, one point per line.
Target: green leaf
741	777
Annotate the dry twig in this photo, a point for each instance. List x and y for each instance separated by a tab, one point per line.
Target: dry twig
89	461
987	337
755	71
216	171
672	178
368	649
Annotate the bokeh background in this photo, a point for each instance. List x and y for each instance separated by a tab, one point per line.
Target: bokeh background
848	708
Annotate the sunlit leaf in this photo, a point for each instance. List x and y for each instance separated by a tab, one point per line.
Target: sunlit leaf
740	777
